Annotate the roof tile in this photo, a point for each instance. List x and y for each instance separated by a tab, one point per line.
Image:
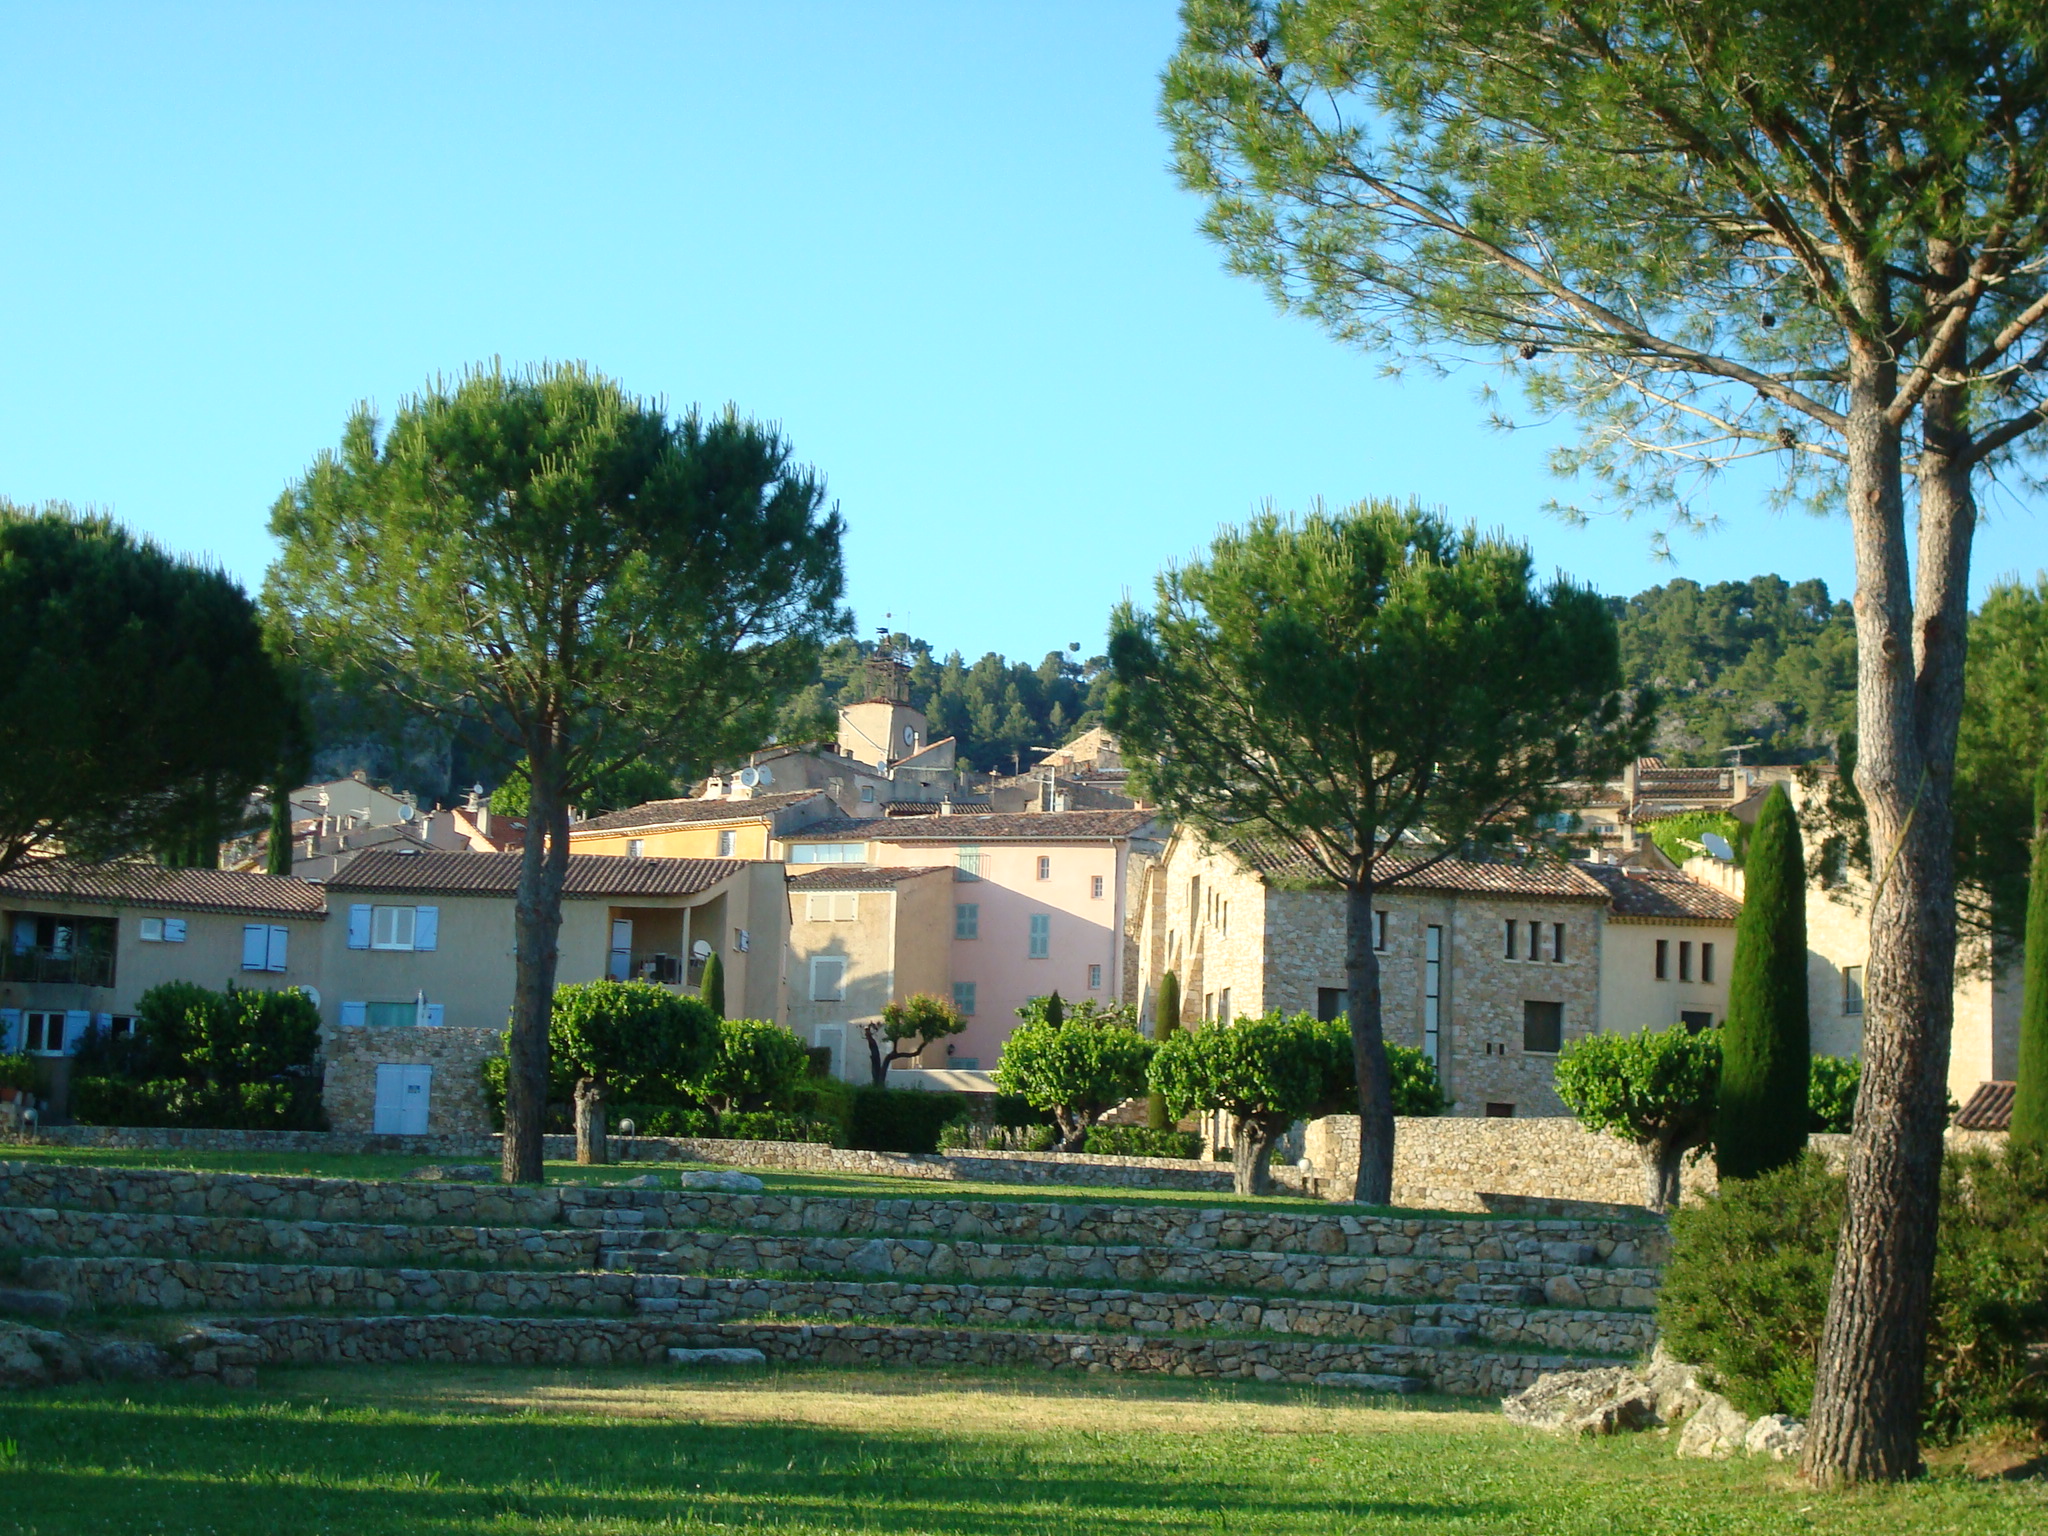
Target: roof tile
152	885
1989	1109
857	877
681	813
497	874
983	827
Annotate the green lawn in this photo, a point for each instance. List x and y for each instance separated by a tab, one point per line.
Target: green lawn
444	1450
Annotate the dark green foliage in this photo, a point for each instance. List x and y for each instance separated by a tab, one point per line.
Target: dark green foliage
1655	1090
906	1027
1141	1141
138	708
1746	1290
612	787
711	986
756	1065
900	1119
1831	1093
1418	1091
233	1060
1165	1020
628	1036
2002	744
1077	1068
2030	1100
1767	1043
277	852
1265	1073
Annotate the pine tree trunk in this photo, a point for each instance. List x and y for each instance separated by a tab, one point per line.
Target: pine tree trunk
1251	1155
544	865
1867	1390
1368	1051
590	1127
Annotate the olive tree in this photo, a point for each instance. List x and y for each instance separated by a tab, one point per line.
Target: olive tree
1656	1091
606	1034
755	1064
1265	1073
1810	239
542	556
906	1027
1076	1067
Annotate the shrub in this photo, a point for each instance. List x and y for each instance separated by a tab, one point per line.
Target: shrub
900	1119
1075	1069
829	1100
962	1134
1766	1041
627	1035
18	1072
235	1060
1746	1291
906	1027
1831	1093
1141	1141
1655	1090
755	1065
1418	1091
1264	1072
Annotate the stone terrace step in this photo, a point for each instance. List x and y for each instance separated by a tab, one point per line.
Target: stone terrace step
592	1341
1622	1243
186	1284
1452	1276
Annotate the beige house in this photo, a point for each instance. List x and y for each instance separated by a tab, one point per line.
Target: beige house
82	943
860	939
428	940
1487	968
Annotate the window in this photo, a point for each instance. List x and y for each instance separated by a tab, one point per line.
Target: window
1208	1006
1095	887
1543	1028
1194	900
161	930
963	998
728	843
1224	909
1663	958
264	947
1041	935
1695	1019
44	947
45	1034
1557	943
967	920
1535	939
391	1015
828	978
1706	962
821	853
1094	978
636	847
965	1063
1852	989
1432	991
1223	1006
119	1024
1685	959
1044	867
1379	930
1500	1111
832	907
967	865
1509	953
393	927
1330	1003
867	794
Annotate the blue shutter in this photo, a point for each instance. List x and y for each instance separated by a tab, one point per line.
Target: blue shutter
278	949
359	927
255	947
426	927
174	930
10	1030
76	1022
355	1015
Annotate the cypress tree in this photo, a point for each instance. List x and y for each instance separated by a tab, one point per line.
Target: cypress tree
1766	1045
712	988
1055	1010
278	856
1165	1020
2030	1100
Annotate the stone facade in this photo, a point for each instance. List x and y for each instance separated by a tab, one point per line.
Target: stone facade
455	1104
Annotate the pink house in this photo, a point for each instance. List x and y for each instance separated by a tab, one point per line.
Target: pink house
1038	903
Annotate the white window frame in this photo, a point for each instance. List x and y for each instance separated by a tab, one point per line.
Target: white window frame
1853	1002
393	928
636	847
1045	866
1095	978
836	966
827	853
1096	884
728	843
36	1021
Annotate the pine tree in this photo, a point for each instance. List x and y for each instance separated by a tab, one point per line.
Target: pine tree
712	988
1165	1020
2030	1101
1766	1046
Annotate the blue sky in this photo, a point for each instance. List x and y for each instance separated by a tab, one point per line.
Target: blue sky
938	243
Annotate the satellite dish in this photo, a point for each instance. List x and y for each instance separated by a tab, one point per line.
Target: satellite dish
700	949
405	813
1717	845
910	735
748	777
766	777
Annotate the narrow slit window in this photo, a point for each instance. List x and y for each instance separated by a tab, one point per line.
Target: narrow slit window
1663	958
1557	943
1706	962
1511	938
1685	959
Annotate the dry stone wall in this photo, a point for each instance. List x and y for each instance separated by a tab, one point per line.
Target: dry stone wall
455	1102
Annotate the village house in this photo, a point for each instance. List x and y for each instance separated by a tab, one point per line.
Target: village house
860	939
84	942
729	822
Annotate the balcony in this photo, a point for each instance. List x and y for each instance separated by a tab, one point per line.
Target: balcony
68	967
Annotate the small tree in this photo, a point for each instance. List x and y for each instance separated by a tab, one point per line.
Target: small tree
1165	1020
1265	1073
1655	1091
711	985
755	1065
1412	1078
1342	685
1831	1094
906	1027
1077	1068
1767	1043
2030	1097
608	1034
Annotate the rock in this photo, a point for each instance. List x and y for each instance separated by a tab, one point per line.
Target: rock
26	1303
716	1357
1564	1291
119	1359
457	1173
1676	1385
1715	1431
1369	1381
730	1183
30	1357
1776	1435
643	1181
1609	1401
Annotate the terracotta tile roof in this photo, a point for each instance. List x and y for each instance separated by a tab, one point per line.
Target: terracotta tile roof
854	877
150	885
981	827
682	813
1549	878
1989	1109
929	807
1662	896
497	874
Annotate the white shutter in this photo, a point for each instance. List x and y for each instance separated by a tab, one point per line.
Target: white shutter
817	909
10	1030
354	1015
846	908
280	940
437	1013
359	927
255	947
426	927
76	1022
174	930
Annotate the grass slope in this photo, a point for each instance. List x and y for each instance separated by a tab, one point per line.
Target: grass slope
441	1450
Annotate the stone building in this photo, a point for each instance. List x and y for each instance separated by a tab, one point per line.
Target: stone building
1488	968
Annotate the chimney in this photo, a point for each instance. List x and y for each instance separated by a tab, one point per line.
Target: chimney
946	807
483	820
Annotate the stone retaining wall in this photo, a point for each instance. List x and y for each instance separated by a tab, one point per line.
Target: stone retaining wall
455	1104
